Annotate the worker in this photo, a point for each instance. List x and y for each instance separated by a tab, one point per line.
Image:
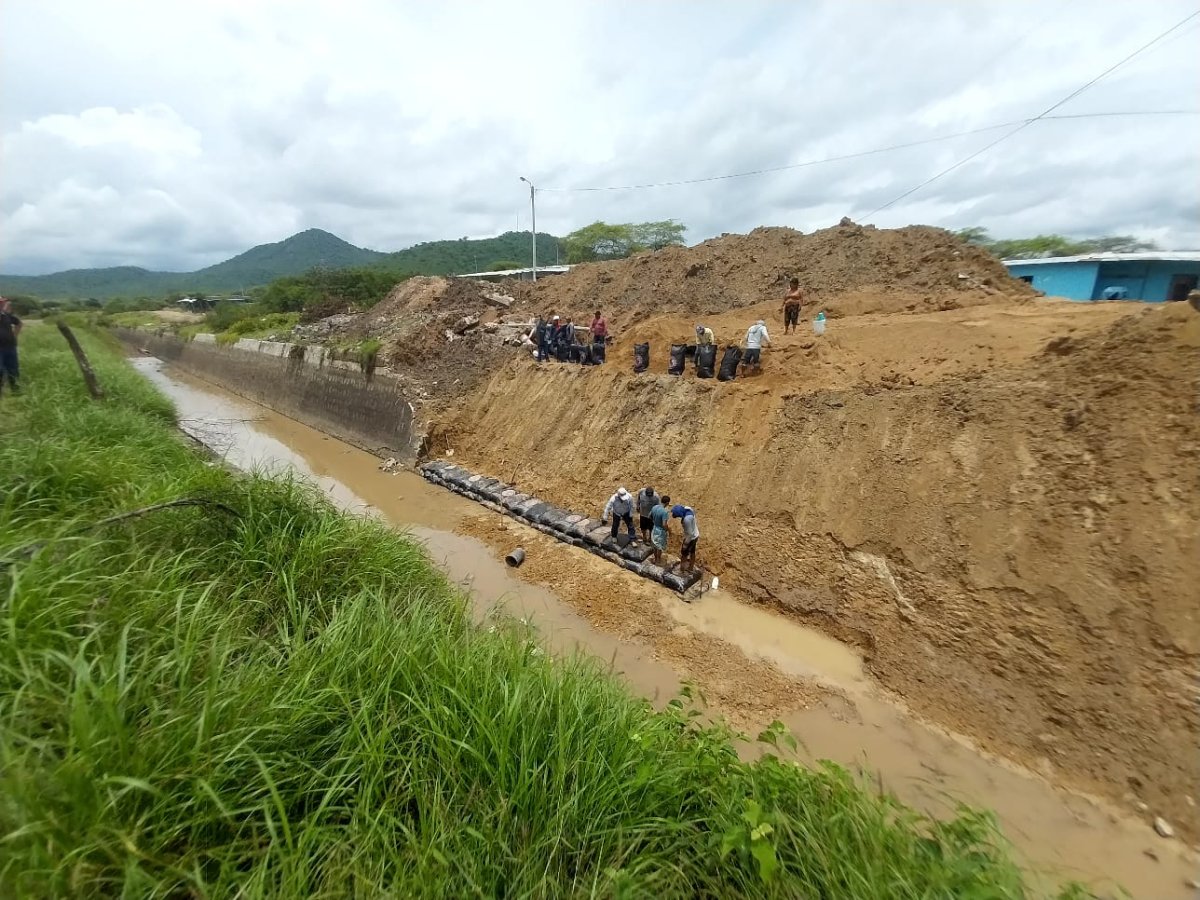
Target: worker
620	507
704	336
10	329
565	341
646	501
756	335
599	334
691	535
546	338
659	517
791	306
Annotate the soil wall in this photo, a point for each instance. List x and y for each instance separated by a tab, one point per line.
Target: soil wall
1014	541
372	413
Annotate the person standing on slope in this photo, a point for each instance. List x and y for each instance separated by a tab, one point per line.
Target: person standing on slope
756	336
704	336
646	501
791	306
10	327
620	507
691	536
660	516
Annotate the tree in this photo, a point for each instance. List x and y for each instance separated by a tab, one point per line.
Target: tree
503	265
599	241
656	235
1117	243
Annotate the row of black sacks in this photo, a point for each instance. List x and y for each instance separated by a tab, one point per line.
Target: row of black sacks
705	358
579	531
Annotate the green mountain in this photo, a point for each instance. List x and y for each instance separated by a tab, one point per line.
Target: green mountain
465	255
294	256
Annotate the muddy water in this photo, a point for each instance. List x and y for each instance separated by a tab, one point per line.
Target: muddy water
1056	832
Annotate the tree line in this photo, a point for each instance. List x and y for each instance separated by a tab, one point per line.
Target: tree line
1046	245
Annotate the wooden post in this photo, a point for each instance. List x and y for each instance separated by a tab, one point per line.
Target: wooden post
85	367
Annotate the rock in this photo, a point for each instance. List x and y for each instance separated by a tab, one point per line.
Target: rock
1142	806
1163	827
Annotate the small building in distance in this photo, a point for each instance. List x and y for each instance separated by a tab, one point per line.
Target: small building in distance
1153	276
521	274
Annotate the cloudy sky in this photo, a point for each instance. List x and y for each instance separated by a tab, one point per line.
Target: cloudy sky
173	135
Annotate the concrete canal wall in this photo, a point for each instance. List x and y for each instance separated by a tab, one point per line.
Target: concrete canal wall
298	381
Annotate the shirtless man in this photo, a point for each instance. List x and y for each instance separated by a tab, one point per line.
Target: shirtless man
791	306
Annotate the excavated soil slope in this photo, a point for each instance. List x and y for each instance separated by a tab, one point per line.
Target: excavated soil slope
848	269
999	504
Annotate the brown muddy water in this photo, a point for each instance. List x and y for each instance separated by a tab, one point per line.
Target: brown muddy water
1057	833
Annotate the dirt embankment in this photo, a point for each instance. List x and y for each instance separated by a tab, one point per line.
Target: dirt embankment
999	504
848	269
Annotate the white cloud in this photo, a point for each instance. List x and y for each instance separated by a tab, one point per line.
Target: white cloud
173	136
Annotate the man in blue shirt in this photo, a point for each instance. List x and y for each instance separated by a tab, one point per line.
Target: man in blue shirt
691	536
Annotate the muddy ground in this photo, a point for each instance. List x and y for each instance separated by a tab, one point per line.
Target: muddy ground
997	504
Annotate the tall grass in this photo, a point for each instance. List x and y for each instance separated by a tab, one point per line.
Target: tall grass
291	702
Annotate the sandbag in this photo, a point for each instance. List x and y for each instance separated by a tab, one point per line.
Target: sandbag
641	357
598	353
729	364
706	360
678	355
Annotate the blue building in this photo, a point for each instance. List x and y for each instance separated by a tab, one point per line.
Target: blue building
1152	276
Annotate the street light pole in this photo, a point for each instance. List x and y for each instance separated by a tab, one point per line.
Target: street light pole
532	221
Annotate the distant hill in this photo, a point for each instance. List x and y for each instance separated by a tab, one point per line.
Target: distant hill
464	255
293	256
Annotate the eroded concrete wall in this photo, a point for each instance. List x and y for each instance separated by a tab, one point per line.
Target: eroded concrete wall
371	413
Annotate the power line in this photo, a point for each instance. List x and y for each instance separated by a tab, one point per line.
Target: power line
1042	115
893	147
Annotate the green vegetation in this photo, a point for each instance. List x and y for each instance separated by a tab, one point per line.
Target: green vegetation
603	241
269	698
334	288
256	266
1044	245
299	254
466	255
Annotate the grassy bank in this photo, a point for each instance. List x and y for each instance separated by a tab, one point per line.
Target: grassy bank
270	698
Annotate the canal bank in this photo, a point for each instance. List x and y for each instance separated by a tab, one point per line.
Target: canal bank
779	669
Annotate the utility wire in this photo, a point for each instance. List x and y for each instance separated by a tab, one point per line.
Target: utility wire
1042	115
831	159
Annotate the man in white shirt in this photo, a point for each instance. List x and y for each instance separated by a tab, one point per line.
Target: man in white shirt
756	336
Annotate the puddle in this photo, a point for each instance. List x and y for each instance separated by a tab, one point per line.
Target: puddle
1056	832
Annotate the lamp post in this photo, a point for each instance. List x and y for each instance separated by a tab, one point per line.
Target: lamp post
532	221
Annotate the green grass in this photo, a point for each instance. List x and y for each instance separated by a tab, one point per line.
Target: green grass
292	702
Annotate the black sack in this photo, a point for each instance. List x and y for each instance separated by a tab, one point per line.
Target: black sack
678	354
729	364
706	360
641	357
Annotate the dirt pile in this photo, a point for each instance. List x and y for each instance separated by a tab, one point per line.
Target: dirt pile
999	504
847	269
440	336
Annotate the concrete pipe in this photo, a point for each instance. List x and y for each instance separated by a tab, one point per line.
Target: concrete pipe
515	558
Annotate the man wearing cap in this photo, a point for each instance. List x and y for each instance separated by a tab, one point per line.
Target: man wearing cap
756	335
10	327
646	501
704	336
691	536
620	506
